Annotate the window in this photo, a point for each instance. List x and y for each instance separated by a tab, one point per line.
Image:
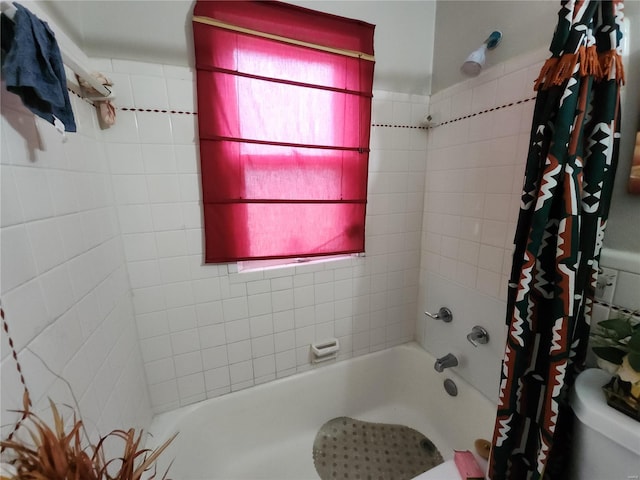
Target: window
284	112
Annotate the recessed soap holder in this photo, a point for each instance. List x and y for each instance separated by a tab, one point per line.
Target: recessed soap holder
324	350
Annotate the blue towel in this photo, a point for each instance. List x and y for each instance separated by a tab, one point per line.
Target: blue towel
33	69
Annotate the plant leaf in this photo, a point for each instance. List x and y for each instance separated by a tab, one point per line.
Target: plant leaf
634	360
620	326
610	354
634	342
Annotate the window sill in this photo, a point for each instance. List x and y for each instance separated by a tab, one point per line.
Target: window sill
336	261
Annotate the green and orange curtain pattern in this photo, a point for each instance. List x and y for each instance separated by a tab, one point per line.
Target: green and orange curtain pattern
566	194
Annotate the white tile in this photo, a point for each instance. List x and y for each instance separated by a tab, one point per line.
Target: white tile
262	346
135	218
160	371
58	294
155	348
164	393
137	68
178	294
488	282
491	258
237	330
214	357
171	243
282	300
285	360
149	92
159	159
494	232
63	193
10	209
185	341
124	158
163	188
33	192
305	336
497	207
128	189
148	299
191	385
125	130
174	269
182	318
235	308
261	325
46	244
144	274
209	313
179	72
264	366
241	372
152	324
212	336
217	378
184	129
188	363
167	217
182	94
153	127
484	96
140	246
461	104
627	293
239	351
284	320
512	87
508	121
285	340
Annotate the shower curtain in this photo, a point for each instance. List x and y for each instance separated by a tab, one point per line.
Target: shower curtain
565	202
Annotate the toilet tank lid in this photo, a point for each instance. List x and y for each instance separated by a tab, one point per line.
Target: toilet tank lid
590	407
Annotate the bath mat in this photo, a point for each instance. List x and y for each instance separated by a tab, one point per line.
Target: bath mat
346	448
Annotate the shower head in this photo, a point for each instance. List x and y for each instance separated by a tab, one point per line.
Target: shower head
475	61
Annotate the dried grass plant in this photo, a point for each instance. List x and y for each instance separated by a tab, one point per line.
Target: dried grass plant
56	454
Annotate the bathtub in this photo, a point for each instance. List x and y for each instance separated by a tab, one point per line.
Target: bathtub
267	432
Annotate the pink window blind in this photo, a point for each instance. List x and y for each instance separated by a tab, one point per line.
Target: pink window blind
284	113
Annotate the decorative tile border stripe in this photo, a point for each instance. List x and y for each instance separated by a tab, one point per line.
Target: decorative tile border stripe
625	311
155	110
382	125
488	110
388	125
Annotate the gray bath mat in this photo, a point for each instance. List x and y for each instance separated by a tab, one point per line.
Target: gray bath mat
345	448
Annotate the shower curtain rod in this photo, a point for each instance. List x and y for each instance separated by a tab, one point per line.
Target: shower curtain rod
72	56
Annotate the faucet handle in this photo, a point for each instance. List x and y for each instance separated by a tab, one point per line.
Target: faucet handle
443	314
478	335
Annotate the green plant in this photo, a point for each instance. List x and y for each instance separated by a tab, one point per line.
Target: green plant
617	342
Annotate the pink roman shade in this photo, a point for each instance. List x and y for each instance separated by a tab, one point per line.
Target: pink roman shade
284	113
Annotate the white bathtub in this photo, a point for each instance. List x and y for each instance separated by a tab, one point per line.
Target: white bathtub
267	432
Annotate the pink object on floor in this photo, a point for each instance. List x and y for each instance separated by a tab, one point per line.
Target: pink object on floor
467	465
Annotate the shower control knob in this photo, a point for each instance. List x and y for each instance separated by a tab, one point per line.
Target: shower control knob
443	314
478	335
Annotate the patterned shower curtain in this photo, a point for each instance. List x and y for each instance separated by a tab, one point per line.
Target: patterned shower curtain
565	202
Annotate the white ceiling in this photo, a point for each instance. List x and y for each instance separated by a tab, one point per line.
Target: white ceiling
160	31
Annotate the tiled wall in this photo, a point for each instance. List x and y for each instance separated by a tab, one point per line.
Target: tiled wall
205	331
475	165
618	291
65	291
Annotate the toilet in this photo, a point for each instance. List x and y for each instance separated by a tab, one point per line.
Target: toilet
607	442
